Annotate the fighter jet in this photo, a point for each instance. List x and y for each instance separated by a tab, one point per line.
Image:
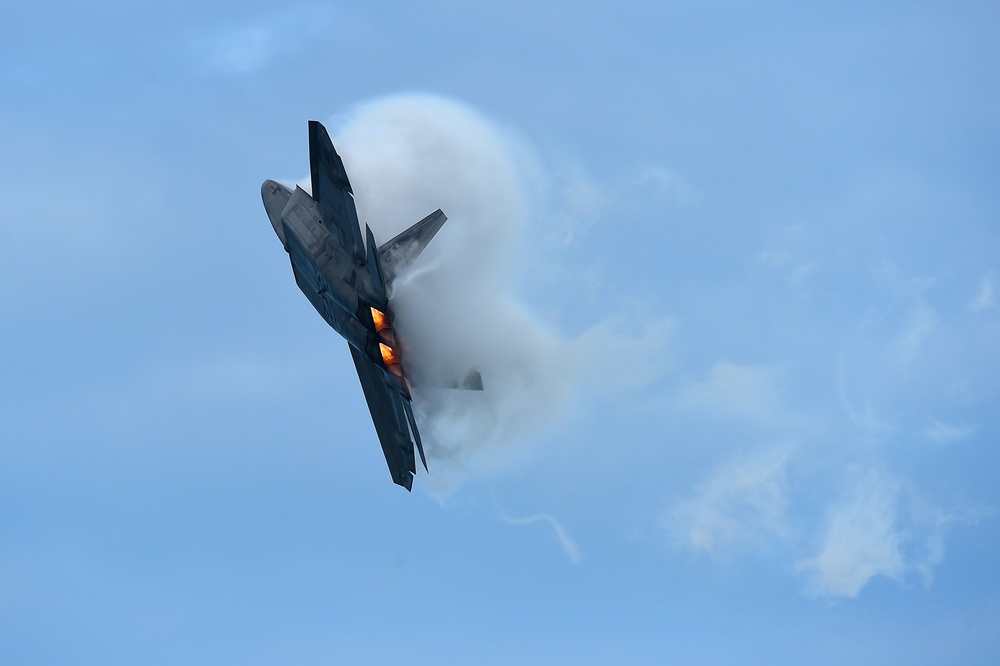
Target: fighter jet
347	279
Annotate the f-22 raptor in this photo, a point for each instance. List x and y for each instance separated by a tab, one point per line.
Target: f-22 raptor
347	278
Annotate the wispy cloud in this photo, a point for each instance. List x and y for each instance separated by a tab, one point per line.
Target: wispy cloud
733	389
244	49
860	412
790	254
877	528
919	323
985	298
941	432
579	204
742	505
666	185
247	47
569	546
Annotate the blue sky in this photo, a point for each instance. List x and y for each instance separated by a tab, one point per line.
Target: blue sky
732	271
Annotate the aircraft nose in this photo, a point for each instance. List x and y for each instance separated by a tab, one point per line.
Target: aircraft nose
275	196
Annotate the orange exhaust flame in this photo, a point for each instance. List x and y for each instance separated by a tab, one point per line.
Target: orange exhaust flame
388	355
381	321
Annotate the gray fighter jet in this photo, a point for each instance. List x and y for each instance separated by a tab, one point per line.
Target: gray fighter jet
347	278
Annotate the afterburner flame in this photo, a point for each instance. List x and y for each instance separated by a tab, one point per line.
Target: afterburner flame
381	321
388	354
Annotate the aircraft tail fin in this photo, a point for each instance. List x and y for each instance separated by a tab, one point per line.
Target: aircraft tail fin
374	265
397	254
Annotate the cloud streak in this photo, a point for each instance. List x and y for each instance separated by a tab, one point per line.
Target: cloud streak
567	543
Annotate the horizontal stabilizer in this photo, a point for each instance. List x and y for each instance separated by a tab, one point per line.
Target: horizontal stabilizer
398	253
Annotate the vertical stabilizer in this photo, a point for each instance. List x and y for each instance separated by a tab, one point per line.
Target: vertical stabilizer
375	268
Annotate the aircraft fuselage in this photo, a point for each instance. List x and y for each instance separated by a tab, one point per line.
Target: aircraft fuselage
340	289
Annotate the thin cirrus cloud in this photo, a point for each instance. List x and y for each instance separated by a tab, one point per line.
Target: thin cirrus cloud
824	502
743	505
985	298
242	49
878	527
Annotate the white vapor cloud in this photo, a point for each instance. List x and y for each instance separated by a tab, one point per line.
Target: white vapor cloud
456	310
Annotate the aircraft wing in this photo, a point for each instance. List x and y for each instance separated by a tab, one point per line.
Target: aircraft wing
332	191
393	420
